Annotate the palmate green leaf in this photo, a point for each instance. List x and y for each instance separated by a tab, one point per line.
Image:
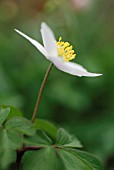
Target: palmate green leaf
62	155
39	139
3	114
51	158
73	162
44	159
67	140
47	126
20	124
87	158
9	142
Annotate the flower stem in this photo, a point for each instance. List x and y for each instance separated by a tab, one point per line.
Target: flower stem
40	93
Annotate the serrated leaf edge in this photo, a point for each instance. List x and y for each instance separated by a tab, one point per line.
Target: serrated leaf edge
85	162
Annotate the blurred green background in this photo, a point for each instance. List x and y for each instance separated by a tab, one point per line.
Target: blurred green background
84	106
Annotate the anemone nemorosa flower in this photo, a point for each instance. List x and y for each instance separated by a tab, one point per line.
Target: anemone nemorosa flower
59	53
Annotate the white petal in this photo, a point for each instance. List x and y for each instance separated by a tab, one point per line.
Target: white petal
72	68
49	40
34	42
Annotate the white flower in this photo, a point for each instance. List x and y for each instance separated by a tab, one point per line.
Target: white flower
59	53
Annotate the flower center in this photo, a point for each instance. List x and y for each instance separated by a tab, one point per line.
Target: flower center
65	50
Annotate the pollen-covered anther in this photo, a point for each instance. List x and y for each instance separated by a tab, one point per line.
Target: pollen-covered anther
65	50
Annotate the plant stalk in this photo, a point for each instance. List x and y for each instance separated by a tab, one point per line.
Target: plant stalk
40	92
20	154
18	160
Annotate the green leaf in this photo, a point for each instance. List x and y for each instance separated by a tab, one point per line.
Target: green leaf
15	138
21	125
39	139
67	140
47	126
44	159
51	158
88	158
13	111
9	141
3	114
72	162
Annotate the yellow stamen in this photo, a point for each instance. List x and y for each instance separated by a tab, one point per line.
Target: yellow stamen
60	38
65	50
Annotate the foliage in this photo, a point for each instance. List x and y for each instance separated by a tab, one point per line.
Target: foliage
18	134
